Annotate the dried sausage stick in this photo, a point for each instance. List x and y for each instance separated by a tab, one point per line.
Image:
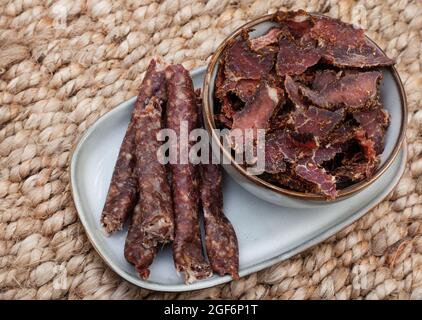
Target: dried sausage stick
154	189
220	237
152	222
187	245
135	251
122	193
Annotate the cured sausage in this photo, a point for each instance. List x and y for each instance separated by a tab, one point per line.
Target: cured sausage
187	245
152	222
135	251
154	190
122	193
220	237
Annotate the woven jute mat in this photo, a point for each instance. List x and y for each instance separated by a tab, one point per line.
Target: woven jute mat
63	64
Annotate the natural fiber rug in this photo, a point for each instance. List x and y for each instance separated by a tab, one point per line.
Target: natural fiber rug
65	63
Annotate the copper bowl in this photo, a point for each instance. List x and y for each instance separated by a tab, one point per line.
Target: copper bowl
392	95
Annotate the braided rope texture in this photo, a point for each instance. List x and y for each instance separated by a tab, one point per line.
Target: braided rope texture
65	63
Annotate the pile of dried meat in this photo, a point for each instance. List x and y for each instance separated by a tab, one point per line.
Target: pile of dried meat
164	202
312	82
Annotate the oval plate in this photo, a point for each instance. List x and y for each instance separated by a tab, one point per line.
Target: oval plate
267	233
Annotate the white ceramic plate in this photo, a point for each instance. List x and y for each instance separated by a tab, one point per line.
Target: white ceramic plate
267	233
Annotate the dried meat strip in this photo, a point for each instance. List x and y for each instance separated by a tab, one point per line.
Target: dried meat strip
316	121
225	117
295	23
243	88
220	237
304	155
297	51
230	104
367	145
353	90
122	193
339	43
343	45
342	134
351	173
274	163
292	181
220	76
269	38
324	154
243	63
355	165
187	245
154	190
310	120
246	88
243	69
310	171
259	109
294	58
366	56
305	78
374	122
135	251
335	32
277	148
323	79
283	146
281	119
292	90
